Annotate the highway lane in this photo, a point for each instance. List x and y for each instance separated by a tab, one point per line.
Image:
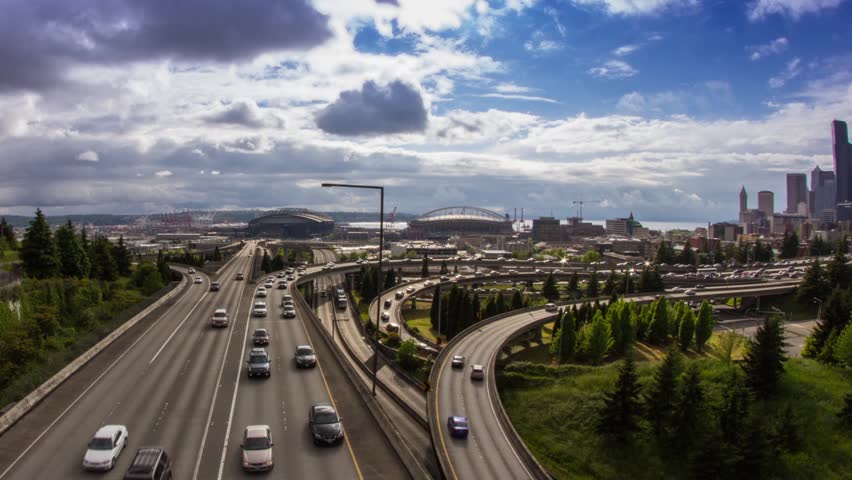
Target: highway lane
154	388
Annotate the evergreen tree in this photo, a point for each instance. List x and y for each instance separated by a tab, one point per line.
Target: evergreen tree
835	317
790	245
704	325
567	338
122	257
592	287
38	252
424	268
845	414
619	417
644	284
814	284
818	247
661	399
838	272
658	331
433	310
72	257
517	300
475	308
764	358
573	286
734	409
103	263
265	263
217	255
7	233
754	450
549	289
444	270
599	338
689	409
686	329
842	246
609	286
665	253
788	437
500	303
687	255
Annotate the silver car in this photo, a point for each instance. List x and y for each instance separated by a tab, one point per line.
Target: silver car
257	448
105	447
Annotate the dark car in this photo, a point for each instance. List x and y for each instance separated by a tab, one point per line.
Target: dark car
214	286
305	357
258	363
458	426
458	361
150	463
326	427
240	276
260	337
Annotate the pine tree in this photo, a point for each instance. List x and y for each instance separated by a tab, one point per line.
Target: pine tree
444	270
265	263
689	410
661	399
838	273
686	330
790	245
658	332
845	414
788	437
764	358
704	325
217	255
573	285
567	338
835	316
38	252
734	410
7	232
687	255
619	417
424	268
644	284
103	263
814	284
549	289
609	285
433	310
122	257
500	303
599	338
517	300
70	251
592	287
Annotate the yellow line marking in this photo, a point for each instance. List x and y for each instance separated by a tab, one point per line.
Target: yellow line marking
331	397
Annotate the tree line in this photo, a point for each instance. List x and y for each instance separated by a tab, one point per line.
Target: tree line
831	340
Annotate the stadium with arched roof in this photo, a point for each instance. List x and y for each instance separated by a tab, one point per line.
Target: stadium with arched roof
453	221
291	223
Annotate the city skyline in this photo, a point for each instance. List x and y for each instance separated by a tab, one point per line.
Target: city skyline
501	104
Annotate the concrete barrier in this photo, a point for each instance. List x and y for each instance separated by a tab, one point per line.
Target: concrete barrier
27	403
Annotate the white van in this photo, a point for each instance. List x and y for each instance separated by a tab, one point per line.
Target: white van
220	318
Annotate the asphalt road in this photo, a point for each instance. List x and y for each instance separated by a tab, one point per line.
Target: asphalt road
176	382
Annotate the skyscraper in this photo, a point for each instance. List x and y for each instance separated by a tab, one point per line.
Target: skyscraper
766	202
797	191
822	195
743	200
842	160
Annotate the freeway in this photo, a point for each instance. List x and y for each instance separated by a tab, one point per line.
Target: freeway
178	383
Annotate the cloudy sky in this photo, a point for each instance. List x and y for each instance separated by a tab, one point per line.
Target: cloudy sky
662	107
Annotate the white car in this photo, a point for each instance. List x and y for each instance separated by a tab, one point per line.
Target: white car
410	290
385	316
191	270
689	293
261	292
427	283
399	294
220	318
268	285
550	307
289	311
198	280
257	448
105	447
259	309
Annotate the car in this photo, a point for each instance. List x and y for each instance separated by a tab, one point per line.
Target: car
261	292
198	280
477	372
258	362
260	337
305	357
150	463
289	271
385	316
428	283
105	447
444	278
220	318
282	285
240	276
289	311
325	425
270	278
458	361
458	426
677	289
291	277
287	300
191	270
689	293
259	309
280	275
392	327
214	286
550	307
699	287
323	293
398	295
410	290
257	448
269	285
388	303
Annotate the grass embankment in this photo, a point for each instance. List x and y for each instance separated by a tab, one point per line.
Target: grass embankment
419	319
555	410
7	259
363	308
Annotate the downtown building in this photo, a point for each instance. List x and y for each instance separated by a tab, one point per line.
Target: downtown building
842	153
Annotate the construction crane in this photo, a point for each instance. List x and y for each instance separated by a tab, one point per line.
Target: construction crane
392	218
581	203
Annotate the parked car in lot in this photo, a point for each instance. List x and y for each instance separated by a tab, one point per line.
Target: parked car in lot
150	463
477	372
105	447
458	426
258	363
325	425
305	357
257	448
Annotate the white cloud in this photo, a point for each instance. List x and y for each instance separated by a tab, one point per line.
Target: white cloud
625	50
774	47
164	173
215	172
519	97
541	45
613	69
760	9
510	88
637	7
698	98
88	156
791	71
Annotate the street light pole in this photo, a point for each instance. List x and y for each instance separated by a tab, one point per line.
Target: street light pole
381	190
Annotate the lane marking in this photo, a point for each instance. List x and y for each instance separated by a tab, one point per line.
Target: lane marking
94	382
333	403
216	387
438	416
178	327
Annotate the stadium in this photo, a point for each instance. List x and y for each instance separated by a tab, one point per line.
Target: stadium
459	221
291	223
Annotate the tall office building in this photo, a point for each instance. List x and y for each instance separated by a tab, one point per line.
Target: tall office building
743	200
822	195
842	160
766	202
797	191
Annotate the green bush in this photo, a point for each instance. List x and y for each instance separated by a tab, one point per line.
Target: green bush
406	356
393	340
